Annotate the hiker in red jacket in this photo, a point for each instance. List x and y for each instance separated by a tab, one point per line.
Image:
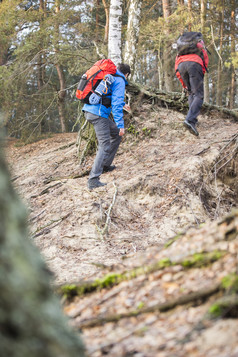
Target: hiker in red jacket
190	69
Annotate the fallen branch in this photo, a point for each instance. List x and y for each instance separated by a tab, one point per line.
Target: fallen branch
46	190
200	259
50	179
181	300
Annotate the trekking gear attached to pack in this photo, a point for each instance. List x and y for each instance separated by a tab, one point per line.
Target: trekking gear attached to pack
90	81
101	89
187	43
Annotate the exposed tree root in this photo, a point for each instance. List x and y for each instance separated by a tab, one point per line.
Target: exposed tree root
174	100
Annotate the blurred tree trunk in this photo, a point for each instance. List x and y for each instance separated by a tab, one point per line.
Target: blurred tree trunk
32	322
132	33
233	50
203	21
220	63
114	37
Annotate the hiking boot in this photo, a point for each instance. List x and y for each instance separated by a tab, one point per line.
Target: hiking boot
191	127
94	183
109	168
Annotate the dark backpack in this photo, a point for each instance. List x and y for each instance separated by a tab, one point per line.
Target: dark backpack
187	43
91	79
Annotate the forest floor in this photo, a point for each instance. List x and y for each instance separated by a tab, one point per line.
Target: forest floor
167	184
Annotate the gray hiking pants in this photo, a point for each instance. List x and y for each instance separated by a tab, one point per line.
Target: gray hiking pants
192	75
108	142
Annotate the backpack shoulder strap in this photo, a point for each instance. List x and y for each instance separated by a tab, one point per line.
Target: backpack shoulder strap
118	75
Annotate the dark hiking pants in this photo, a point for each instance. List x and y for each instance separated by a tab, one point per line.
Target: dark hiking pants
108	142
192	75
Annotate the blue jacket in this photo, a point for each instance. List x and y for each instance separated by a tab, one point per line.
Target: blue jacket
117	94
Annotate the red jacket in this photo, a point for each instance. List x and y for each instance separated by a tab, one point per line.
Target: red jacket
191	58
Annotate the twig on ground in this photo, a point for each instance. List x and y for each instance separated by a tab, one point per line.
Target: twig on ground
104	231
41	230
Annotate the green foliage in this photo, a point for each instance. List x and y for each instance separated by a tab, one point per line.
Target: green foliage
35	41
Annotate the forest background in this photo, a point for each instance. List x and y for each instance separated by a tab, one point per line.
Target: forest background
46	45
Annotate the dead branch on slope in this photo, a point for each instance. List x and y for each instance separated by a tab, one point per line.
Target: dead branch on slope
163	307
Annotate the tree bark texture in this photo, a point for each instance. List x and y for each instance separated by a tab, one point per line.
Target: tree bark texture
114	38
233	50
61	98
167	59
60	72
32	322
133	28
106	9
203	21
220	64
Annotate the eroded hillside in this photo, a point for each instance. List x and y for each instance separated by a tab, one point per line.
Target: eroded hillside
150	272
166	181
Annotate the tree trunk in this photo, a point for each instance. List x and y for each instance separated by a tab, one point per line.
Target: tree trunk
106	9
190	14
41	69
167	59
132	34
114	39
220	63
61	99
32	322
60	72
97	20
233	50
203	21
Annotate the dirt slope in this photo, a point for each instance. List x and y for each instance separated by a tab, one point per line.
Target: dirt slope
166	181
156	298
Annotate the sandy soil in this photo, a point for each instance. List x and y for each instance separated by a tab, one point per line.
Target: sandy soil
166	181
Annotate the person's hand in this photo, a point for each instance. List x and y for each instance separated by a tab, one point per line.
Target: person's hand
121	132
127	107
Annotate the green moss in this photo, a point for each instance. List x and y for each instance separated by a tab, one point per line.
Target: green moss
140	305
202	259
226	307
109	280
215	310
172	240
230	282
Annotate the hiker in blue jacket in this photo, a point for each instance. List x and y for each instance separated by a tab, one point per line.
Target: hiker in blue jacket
109	133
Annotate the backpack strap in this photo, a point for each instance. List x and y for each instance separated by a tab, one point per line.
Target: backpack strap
118	75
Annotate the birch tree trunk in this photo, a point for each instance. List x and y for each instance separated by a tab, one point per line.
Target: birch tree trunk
114	38
132	34
203	21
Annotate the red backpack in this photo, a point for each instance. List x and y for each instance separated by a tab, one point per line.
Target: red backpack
90	80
